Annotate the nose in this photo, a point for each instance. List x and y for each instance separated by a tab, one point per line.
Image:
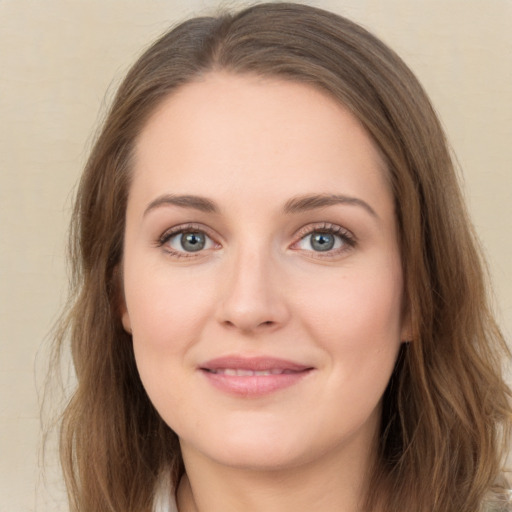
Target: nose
253	299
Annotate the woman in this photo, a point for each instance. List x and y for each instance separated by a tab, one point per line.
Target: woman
278	301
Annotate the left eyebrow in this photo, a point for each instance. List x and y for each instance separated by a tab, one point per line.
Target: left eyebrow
314	201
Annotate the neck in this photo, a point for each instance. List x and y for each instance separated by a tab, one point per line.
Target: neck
336	482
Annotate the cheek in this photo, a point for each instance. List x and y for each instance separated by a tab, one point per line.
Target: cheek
167	309
356	317
357	298
167	313
357	323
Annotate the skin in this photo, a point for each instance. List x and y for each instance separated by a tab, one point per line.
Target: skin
250	145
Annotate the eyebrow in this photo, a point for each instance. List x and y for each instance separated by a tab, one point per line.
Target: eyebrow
294	205
314	201
185	201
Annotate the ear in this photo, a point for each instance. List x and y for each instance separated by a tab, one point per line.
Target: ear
121	301
406	331
125	318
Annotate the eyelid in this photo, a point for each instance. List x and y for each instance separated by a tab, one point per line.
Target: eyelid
326	227
184	228
346	235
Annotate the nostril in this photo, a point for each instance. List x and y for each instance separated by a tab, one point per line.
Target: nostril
230	324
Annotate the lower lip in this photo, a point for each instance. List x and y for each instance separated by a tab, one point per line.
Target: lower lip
254	385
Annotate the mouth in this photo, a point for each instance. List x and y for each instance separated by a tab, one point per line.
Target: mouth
248	373
254	376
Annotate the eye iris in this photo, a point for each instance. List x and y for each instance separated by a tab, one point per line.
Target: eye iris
322	241
193	242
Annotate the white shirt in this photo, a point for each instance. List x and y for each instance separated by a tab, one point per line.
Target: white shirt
164	498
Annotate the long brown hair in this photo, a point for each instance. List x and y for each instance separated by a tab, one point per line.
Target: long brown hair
446	411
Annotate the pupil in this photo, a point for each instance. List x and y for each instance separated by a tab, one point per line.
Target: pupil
322	241
192	241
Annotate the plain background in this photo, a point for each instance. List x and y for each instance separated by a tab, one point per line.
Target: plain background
60	61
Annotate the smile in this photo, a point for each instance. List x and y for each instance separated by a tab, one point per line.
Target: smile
253	377
249	373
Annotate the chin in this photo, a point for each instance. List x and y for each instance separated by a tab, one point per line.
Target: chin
257	447
259	457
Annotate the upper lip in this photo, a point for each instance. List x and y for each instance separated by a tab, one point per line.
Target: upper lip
255	364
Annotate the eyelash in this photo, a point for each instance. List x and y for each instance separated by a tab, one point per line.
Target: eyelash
347	238
177	230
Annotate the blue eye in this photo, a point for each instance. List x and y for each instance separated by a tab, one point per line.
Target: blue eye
319	241
189	241
327	238
322	241
193	242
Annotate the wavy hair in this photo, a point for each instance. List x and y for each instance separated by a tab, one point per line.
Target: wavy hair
446	411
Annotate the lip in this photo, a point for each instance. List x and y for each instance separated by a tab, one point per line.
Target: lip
236	375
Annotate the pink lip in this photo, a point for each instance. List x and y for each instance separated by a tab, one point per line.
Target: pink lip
283	374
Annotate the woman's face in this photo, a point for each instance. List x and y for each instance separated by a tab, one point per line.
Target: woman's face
262	274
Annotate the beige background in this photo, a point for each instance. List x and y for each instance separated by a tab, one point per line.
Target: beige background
57	59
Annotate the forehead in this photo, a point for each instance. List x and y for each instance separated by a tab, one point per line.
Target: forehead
237	134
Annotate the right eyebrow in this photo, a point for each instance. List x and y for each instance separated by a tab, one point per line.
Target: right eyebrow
184	201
